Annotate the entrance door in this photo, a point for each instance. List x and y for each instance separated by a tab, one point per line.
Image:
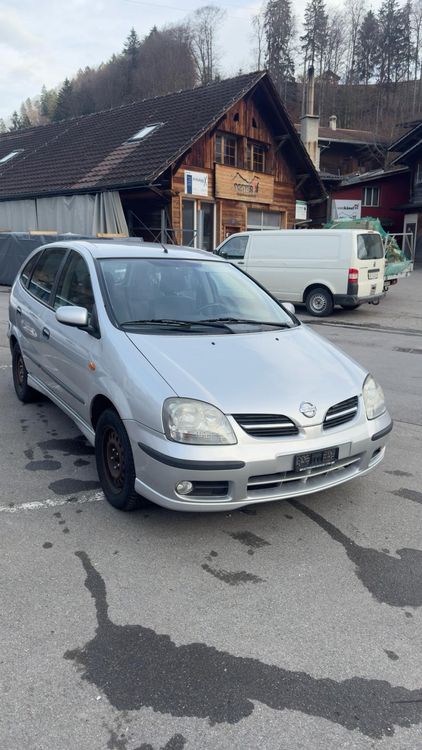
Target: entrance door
410	227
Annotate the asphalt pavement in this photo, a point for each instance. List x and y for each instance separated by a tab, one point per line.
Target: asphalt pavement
287	626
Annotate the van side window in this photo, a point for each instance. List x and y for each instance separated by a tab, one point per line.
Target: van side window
235	247
369	246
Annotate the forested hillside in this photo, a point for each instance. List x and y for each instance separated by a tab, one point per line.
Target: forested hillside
368	64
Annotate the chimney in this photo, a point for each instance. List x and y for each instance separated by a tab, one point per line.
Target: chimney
332	122
309	123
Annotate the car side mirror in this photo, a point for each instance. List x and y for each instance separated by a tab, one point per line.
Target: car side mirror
288	306
70	315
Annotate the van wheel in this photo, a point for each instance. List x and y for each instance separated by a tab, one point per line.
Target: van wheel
319	302
351	307
114	458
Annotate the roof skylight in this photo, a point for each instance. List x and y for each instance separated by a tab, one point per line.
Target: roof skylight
12	155
145	131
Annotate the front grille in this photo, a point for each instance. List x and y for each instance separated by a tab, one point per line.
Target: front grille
266	425
286	482
340	413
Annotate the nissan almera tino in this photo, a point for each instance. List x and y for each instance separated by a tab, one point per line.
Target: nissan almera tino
198	390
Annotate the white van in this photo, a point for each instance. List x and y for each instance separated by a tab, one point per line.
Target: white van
320	267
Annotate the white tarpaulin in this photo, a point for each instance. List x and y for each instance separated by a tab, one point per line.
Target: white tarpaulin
80	214
344	208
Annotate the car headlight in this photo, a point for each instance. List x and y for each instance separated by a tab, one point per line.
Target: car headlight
373	398
196	422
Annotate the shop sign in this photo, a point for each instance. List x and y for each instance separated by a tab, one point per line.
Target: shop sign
196	183
241	184
301	213
346	209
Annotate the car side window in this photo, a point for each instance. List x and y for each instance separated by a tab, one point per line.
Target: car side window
235	247
74	287
27	269
45	272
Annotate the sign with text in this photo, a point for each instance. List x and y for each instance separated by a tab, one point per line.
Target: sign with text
243	185
346	209
301	213
196	183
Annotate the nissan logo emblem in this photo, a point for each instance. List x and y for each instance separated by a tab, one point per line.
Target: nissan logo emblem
307	409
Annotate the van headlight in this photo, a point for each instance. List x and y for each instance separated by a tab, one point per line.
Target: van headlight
373	398
196	422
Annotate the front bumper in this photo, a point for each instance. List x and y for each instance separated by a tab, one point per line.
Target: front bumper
255	470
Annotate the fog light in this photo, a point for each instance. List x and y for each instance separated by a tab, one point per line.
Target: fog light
184	488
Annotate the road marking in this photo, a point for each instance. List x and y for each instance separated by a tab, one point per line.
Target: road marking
40	504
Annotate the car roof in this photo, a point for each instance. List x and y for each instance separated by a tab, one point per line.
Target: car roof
135	249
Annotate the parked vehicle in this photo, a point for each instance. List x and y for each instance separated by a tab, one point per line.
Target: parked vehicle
398	260
197	388
320	267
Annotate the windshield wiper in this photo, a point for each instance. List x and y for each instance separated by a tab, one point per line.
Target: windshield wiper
247	322
186	324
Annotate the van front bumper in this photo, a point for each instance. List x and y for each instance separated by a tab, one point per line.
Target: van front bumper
255	471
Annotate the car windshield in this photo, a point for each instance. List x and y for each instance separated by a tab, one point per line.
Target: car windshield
192	296
369	246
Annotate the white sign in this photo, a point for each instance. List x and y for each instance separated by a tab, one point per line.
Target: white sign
301	211
196	183
343	208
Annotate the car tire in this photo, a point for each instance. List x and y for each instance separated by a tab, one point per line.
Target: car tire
351	307
319	302
115	466
24	392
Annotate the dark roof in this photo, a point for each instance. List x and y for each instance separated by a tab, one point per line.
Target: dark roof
376	174
407	144
345	135
92	152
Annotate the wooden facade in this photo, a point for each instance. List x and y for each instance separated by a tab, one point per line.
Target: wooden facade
234	189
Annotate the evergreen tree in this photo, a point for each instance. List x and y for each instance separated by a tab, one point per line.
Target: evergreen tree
390	21
315	37
16	121
3	128
279	32
131	47
64	105
367	51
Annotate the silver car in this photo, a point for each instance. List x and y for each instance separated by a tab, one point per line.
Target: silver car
197	388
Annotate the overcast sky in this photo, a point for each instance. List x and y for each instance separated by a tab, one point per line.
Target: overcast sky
43	41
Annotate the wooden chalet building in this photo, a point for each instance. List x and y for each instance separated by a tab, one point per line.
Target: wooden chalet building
191	168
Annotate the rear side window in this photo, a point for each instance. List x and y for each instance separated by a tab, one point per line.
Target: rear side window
369	247
45	272
27	269
235	247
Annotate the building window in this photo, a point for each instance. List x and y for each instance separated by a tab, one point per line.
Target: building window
226	150
11	155
144	132
371	196
263	219
255	157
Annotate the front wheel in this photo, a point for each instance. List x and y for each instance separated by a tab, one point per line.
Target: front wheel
24	392
114	458
319	302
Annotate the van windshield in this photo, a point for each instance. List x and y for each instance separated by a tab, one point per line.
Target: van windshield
369	246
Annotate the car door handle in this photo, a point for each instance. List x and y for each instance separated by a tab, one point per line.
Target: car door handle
46	333
241	262
18	311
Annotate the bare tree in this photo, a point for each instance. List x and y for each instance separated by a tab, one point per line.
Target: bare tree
203	27
416	28
258	36
353	16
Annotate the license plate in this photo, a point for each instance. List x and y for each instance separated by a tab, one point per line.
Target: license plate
373	274
315	459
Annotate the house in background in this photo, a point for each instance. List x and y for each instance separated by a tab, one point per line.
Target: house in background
377	194
409	152
189	168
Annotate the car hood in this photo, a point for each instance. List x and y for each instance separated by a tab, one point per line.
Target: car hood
262	373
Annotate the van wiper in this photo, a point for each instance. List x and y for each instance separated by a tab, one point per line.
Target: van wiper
229	321
184	324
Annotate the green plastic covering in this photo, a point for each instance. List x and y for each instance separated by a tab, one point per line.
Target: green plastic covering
396	261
